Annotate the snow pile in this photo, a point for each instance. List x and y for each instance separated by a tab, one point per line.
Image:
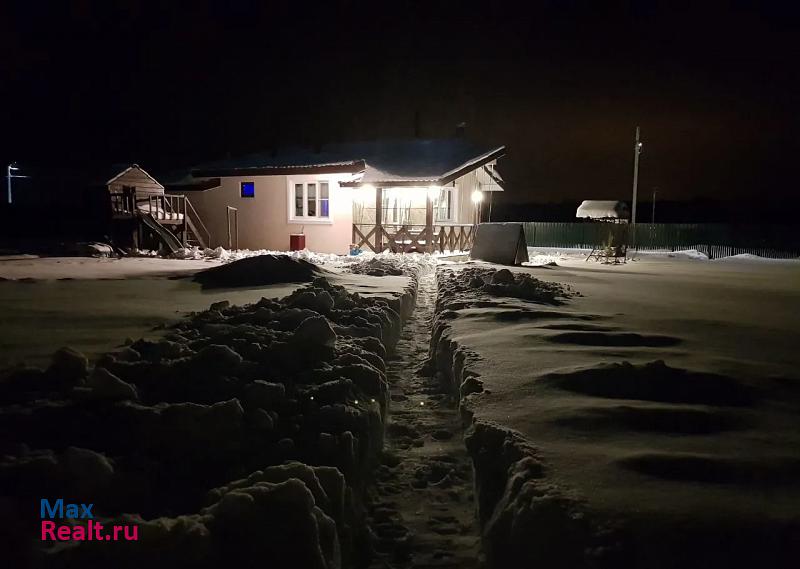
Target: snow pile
392	264
542	260
227	256
693	254
746	257
232	392
257	271
503	283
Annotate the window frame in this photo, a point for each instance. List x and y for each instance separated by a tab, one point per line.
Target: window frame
291	184
451	190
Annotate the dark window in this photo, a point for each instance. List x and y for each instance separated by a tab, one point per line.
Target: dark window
298	200
311	205
248	189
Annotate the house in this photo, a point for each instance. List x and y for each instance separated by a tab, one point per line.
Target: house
144	216
399	195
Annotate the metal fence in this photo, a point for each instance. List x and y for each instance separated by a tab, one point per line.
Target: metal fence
714	239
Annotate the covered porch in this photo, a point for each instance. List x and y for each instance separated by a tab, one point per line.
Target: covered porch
414	219
404	216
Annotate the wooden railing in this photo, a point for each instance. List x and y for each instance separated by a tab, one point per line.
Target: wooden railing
167	207
195	223
413	238
170	209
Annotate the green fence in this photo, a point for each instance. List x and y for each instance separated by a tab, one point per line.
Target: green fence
714	239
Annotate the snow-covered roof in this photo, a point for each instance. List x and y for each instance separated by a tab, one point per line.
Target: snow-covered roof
603	209
379	162
121	170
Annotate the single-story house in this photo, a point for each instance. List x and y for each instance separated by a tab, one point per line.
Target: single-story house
400	195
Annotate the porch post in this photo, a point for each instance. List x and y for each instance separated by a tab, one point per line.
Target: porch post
428	223
378	220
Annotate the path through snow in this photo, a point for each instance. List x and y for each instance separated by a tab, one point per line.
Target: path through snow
422	507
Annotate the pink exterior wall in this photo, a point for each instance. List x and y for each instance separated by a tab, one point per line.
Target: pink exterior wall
264	219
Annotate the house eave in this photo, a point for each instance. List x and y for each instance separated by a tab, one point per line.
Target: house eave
441	180
336	168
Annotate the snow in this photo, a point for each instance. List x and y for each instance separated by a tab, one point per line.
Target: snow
94	304
602	209
203	433
650	413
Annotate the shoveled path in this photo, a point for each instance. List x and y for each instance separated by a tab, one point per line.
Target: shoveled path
422	511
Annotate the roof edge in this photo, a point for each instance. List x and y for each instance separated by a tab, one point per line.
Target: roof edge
128	169
441	180
351	167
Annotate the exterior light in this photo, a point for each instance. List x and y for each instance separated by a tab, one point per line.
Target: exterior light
433	192
477	197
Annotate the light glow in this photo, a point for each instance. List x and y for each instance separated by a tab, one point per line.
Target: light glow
433	192
477	197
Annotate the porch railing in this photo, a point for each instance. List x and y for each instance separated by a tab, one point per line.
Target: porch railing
407	238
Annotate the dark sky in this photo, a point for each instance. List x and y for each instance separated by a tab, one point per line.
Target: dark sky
562	83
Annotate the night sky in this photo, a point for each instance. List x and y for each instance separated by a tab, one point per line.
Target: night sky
563	84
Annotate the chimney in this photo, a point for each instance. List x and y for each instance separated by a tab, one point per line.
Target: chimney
461	129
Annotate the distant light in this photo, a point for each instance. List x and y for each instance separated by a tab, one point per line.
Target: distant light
372	401
422	403
477	196
312	398
12	168
356	401
433	192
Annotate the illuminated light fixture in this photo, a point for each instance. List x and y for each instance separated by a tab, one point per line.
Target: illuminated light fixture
477	197
433	192
368	187
356	401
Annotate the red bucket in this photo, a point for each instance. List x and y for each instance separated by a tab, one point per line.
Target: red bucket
297	242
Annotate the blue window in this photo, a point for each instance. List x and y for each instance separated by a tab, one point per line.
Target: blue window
248	189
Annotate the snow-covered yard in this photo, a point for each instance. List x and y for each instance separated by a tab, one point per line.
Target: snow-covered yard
647	415
642	414
95	304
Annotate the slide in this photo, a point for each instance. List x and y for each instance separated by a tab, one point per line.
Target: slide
166	236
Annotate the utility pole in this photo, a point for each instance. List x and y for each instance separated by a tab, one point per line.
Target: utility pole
11	168
637	149
653	219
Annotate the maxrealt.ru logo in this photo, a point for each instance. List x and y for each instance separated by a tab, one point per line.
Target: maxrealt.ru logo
75	531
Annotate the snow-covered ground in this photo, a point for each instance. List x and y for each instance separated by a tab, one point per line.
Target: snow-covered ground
94	304
246	435
647	418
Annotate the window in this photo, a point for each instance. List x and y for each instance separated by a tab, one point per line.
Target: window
443	208
248	189
310	201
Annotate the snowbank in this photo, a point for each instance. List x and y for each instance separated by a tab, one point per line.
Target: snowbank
258	271
207	434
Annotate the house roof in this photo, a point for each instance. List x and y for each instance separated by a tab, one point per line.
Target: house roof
122	169
603	209
381	162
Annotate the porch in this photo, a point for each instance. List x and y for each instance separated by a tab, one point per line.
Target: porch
414	238
410	219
